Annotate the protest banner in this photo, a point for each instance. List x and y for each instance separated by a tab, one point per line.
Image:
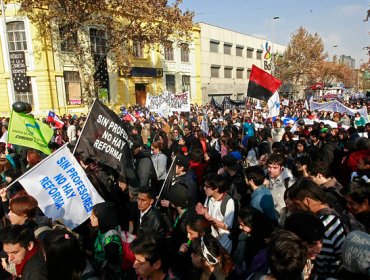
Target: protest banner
61	188
26	131
105	140
154	103
216	105
230	104
175	102
336	106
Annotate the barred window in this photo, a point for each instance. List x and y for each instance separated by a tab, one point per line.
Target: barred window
168	51
25	96
184	53
16	36
185	83
68	38
72	83
171	83
98	41
138	49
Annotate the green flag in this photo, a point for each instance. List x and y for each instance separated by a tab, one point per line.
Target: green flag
26	131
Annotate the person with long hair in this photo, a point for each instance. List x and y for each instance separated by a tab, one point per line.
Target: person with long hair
107	245
64	258
256	229
299	149
252	151
212	259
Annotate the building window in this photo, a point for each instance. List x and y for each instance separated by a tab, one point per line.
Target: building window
16	36
170	83
239	73
215	71
239	51
25	96
249	73
184	52
68	39
185	83
259	54
228	72
138	49
227	48
98	41
168	51
213	46
249	53
72	84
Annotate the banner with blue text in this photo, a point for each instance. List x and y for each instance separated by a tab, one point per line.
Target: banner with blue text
62	189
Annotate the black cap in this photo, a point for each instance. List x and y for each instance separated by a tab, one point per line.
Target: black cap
178	195
182	161
229	160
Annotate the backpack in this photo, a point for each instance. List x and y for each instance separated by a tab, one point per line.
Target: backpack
128	257
234	230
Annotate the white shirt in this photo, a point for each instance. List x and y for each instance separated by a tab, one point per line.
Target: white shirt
214	209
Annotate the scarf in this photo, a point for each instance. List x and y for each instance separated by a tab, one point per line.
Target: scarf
19	267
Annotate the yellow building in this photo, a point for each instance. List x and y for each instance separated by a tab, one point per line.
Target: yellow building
43	78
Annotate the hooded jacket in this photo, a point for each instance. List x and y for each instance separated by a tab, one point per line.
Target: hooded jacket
107	248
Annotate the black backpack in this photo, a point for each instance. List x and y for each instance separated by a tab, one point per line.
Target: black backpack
234	230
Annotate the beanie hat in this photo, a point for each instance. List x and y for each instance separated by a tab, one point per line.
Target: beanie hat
178	195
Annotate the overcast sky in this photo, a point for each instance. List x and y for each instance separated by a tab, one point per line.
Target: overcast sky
338	22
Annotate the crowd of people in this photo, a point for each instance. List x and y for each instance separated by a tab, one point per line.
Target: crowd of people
217	194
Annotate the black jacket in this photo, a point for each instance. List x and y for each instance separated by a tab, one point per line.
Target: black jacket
35	268
152	221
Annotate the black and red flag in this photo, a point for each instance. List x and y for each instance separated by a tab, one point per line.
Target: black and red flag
262	85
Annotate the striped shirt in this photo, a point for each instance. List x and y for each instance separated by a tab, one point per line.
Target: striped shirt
328	262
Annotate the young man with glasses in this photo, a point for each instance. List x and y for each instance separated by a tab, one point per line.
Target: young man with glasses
215	188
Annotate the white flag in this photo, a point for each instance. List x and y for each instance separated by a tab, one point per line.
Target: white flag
62	189
274	105
258	105
306	104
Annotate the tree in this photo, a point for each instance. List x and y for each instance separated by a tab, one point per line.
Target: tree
328	73
90	31
304	52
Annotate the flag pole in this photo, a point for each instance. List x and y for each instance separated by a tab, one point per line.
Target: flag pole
83	128
28	171
164	183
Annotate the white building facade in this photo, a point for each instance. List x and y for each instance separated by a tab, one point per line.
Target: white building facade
226	61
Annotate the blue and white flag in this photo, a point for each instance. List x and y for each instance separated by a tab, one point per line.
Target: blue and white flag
61	188
274	105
